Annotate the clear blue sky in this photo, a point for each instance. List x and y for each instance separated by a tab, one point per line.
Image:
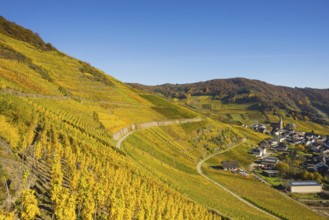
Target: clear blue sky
284	42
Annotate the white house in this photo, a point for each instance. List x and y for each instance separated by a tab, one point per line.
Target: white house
259	152
305	187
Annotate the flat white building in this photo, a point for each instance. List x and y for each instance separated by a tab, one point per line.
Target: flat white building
305	187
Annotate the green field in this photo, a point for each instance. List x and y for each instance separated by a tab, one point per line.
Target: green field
168	109
247	114
230	113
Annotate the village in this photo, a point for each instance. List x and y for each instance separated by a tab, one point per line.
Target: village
299	159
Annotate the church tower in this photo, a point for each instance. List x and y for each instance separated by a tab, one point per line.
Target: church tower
281	123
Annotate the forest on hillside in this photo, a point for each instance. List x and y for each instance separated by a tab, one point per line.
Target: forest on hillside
297	101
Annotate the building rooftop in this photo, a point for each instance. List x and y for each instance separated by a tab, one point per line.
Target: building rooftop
270	160
304	183
271	171
229	164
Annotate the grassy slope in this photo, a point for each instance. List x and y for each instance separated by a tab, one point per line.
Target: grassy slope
306	126
155	153
118	175
244	113
68	107
230	113
116	104
174	162
296	101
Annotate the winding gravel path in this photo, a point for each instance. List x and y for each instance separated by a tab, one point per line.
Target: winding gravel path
199	169
199	165
118	145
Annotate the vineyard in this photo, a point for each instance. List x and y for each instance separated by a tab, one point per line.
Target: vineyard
261	195
58	160
164	151
57	154
230	113
51	73
71	169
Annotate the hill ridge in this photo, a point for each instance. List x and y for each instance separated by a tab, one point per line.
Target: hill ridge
18	32
303	101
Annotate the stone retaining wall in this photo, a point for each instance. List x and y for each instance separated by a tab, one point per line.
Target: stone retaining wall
124	131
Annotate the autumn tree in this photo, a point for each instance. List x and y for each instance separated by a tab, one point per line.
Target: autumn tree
305	175
300	147
318	177
283	168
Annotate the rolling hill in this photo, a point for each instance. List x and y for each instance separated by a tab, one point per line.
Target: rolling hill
58	157
297	102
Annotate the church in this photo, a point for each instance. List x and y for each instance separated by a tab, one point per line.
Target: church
277	126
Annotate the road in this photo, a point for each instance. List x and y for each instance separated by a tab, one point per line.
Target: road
199	169
118	145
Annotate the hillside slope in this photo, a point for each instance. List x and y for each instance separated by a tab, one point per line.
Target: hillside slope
59	117
60	78
309	102
173	152
57	154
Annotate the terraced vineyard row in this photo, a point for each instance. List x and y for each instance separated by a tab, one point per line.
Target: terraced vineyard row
169	142
73	172
153	150
93	129
169	155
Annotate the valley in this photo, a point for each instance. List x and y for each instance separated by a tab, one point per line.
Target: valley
276	203
76	143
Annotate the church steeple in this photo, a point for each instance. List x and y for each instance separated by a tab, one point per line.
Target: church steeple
281	123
